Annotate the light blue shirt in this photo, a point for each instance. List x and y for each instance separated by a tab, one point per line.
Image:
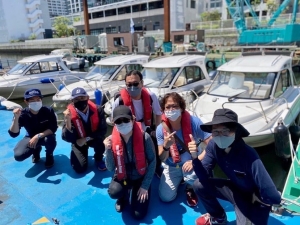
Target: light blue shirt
196	132
84	116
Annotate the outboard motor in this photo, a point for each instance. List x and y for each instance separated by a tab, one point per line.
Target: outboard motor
81	63
61	86
98	97
282	144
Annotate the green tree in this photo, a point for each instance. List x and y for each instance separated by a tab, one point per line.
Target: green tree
210	16
272	6
61	26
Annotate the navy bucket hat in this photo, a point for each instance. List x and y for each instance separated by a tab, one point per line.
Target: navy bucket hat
222	116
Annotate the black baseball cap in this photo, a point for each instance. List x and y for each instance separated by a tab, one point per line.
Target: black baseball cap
122	111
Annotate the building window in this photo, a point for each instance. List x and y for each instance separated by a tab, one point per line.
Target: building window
193	4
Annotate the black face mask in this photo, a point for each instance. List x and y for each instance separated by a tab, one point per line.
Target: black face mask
81	105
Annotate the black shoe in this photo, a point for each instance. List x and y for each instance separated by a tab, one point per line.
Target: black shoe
36	154
49	161
120	204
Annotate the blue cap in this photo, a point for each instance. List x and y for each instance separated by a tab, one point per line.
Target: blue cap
78	92
32	93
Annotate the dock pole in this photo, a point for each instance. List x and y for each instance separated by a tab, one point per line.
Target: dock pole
86	18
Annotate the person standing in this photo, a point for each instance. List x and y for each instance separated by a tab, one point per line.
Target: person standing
249	187
144	106
40	123
130	153
178	136
84	127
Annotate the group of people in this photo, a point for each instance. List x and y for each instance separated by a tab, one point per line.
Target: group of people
151	137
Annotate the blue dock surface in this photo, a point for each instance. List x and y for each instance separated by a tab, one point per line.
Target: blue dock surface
30	194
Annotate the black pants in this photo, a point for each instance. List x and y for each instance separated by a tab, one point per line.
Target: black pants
79	155
246	211
22	151
117	190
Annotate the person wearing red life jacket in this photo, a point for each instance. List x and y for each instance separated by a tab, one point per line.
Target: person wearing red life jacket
130	154
178	137
144	106
84	127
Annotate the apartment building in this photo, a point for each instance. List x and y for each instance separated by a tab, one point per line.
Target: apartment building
22	19
114	16
58	7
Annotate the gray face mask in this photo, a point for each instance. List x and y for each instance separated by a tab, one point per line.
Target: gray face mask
134	91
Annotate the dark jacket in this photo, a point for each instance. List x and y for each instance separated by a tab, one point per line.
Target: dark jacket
36	123
98	134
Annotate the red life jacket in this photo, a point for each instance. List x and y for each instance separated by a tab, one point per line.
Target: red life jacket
78	122
186	128
138	150
146	100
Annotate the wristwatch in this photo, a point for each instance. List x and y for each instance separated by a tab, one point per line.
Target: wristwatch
166	149
39	136
87	139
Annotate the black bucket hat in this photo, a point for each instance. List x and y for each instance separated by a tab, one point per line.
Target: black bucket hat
225	116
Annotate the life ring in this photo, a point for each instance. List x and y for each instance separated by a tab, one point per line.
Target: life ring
212	63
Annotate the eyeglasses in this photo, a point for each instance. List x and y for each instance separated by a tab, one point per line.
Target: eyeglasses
134	84
122	120
223	132
172	106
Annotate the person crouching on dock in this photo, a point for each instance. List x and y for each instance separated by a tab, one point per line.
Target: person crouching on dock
131	154
40	123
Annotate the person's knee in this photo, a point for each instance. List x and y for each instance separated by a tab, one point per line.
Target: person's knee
19	158
136	214
115	192
164	197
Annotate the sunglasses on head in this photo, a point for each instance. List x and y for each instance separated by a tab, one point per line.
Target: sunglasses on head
134	84
122	120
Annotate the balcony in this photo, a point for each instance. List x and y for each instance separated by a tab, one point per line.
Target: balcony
34	13
32	4
152	12
36	23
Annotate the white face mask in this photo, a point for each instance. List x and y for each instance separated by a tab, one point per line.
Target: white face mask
224	141
173	114
35	106
124	128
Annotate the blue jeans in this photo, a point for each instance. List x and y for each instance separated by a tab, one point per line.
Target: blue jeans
22	151
170	181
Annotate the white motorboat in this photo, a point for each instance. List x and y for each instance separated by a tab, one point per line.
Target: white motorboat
72	62
37	72
184	73
261	88
107	75
8	105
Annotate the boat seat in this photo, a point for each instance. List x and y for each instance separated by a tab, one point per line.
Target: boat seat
250	85
236	80
180	81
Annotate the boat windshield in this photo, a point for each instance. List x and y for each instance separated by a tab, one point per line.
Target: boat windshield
243	85
103	72
159	77
19	69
